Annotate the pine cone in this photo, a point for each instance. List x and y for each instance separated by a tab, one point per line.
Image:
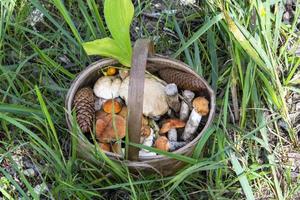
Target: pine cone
84	101
182	79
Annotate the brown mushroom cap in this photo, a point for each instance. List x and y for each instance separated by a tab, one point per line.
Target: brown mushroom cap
162	143
104	146
107	132
111	106
171	123
201	105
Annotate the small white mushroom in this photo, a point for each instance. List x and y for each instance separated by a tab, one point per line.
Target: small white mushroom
143	153
155	101
107	87
172	96
200	108
184	109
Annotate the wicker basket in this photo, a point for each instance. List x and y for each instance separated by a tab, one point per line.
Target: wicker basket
143	58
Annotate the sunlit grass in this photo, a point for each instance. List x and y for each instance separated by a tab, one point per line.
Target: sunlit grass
242	48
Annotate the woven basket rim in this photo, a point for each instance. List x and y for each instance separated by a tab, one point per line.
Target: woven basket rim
173	63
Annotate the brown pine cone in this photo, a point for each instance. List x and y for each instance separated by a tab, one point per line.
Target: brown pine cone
84	101
182	79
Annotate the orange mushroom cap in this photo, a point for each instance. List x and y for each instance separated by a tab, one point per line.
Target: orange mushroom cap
171	123
111	71
201	105
110	128
111	106
162	143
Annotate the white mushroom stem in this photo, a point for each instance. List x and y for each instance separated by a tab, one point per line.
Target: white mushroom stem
175	145
191	125
172	135
148	141
143	153
172	96
184	109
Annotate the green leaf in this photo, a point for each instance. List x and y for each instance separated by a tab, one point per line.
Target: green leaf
240	172
118	16
107	47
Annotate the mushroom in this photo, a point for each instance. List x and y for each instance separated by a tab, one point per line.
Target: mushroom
172	96
170	127
111	71
110	128
143	153
107	87
104	146
117	148
200	108
112	106
123	73
184	109
148	141
124	112
162	143
155	100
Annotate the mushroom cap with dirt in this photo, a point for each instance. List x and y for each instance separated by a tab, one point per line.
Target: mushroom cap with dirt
155	101
201	106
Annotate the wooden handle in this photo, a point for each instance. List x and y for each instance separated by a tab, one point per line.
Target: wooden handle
142	48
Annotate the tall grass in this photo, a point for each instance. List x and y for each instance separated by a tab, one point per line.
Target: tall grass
242	48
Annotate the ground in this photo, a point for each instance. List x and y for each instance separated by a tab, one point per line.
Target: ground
248	51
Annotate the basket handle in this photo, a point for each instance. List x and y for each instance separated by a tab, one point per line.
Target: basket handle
142	49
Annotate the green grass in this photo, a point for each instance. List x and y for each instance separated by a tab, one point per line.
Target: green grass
247	62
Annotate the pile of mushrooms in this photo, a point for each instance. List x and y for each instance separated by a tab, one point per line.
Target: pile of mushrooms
171	118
